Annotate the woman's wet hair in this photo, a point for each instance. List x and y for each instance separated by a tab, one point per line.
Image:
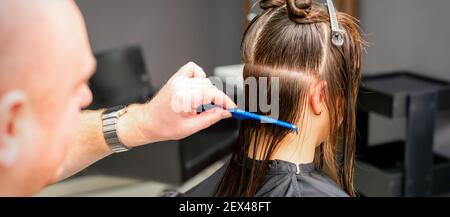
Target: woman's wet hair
291	40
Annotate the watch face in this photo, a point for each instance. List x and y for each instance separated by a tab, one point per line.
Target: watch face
116	108
121	112
113	109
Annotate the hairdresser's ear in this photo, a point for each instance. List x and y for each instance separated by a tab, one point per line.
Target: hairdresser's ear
14	128
317	97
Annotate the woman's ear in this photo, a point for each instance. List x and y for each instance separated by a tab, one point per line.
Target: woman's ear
13	116
317	97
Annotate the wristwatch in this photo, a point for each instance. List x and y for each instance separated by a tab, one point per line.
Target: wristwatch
109	119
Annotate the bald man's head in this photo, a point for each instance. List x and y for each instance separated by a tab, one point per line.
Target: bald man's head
35	33
45	63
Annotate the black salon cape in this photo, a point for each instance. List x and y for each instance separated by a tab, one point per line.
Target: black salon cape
281	180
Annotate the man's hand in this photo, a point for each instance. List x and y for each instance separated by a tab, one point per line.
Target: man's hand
171	114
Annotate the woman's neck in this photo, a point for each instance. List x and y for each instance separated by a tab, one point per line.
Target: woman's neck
297	149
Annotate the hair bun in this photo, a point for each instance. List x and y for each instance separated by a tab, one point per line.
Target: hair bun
268	4
298	9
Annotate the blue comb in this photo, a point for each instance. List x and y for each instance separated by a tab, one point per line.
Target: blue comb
244	115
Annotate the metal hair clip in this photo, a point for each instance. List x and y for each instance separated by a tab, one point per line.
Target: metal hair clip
337	34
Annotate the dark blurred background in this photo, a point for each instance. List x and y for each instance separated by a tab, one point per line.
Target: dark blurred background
171	32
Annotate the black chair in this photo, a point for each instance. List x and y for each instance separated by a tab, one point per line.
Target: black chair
121	78
409	167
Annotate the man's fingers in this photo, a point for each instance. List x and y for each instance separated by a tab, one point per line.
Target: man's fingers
210	117
221	99
191	70
210	94
197	99
199	94
196	91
